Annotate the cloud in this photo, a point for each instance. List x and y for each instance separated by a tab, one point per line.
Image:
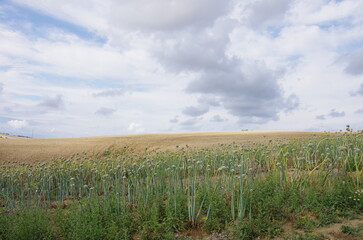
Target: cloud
209	100
335	114
320	117
175	119
190	122
325	12
355	63
53	102
114	92
196	111
105	111
218	118
252	94
248	90
191	51
256	61
359	91
17	124
136	128
156	15
49	57
359	111
267	12
165	14
291	103
1	87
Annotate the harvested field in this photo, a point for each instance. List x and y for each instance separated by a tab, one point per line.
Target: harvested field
31	150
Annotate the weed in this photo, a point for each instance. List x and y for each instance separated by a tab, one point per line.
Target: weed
350	230
305	223
29	224
307	236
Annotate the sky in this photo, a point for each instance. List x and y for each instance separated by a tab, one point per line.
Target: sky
92	68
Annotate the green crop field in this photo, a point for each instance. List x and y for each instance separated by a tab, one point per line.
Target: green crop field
279	189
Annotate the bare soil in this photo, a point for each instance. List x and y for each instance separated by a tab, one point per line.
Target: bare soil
37	149
332	231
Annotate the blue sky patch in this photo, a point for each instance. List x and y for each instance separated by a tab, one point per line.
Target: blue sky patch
35	24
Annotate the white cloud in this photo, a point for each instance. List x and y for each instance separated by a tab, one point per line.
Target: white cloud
114	92
136	128
321	11
17	124
69	56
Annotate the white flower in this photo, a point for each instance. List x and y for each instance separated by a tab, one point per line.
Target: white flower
221	168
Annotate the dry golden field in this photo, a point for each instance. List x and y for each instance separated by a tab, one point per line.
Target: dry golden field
37	149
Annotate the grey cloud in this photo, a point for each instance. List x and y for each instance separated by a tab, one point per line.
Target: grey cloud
195	111
113	92
291	103
191	124
53	102
166	15
194	51
320	117
265	12
359	91
8	109
355	63
188	122
253	95
218	118
174	119
359	111
105	111
249	91
209	100
333	113
1	87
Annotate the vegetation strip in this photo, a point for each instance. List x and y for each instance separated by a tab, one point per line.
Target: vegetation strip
228	192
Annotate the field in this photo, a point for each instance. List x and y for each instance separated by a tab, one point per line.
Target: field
32	150
234	185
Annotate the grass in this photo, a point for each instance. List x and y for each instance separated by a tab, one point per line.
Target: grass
350	230
234	191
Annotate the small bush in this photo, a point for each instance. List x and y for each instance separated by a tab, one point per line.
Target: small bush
29	224
258	227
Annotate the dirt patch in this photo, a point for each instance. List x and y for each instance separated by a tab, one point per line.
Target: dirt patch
32	150
334	231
